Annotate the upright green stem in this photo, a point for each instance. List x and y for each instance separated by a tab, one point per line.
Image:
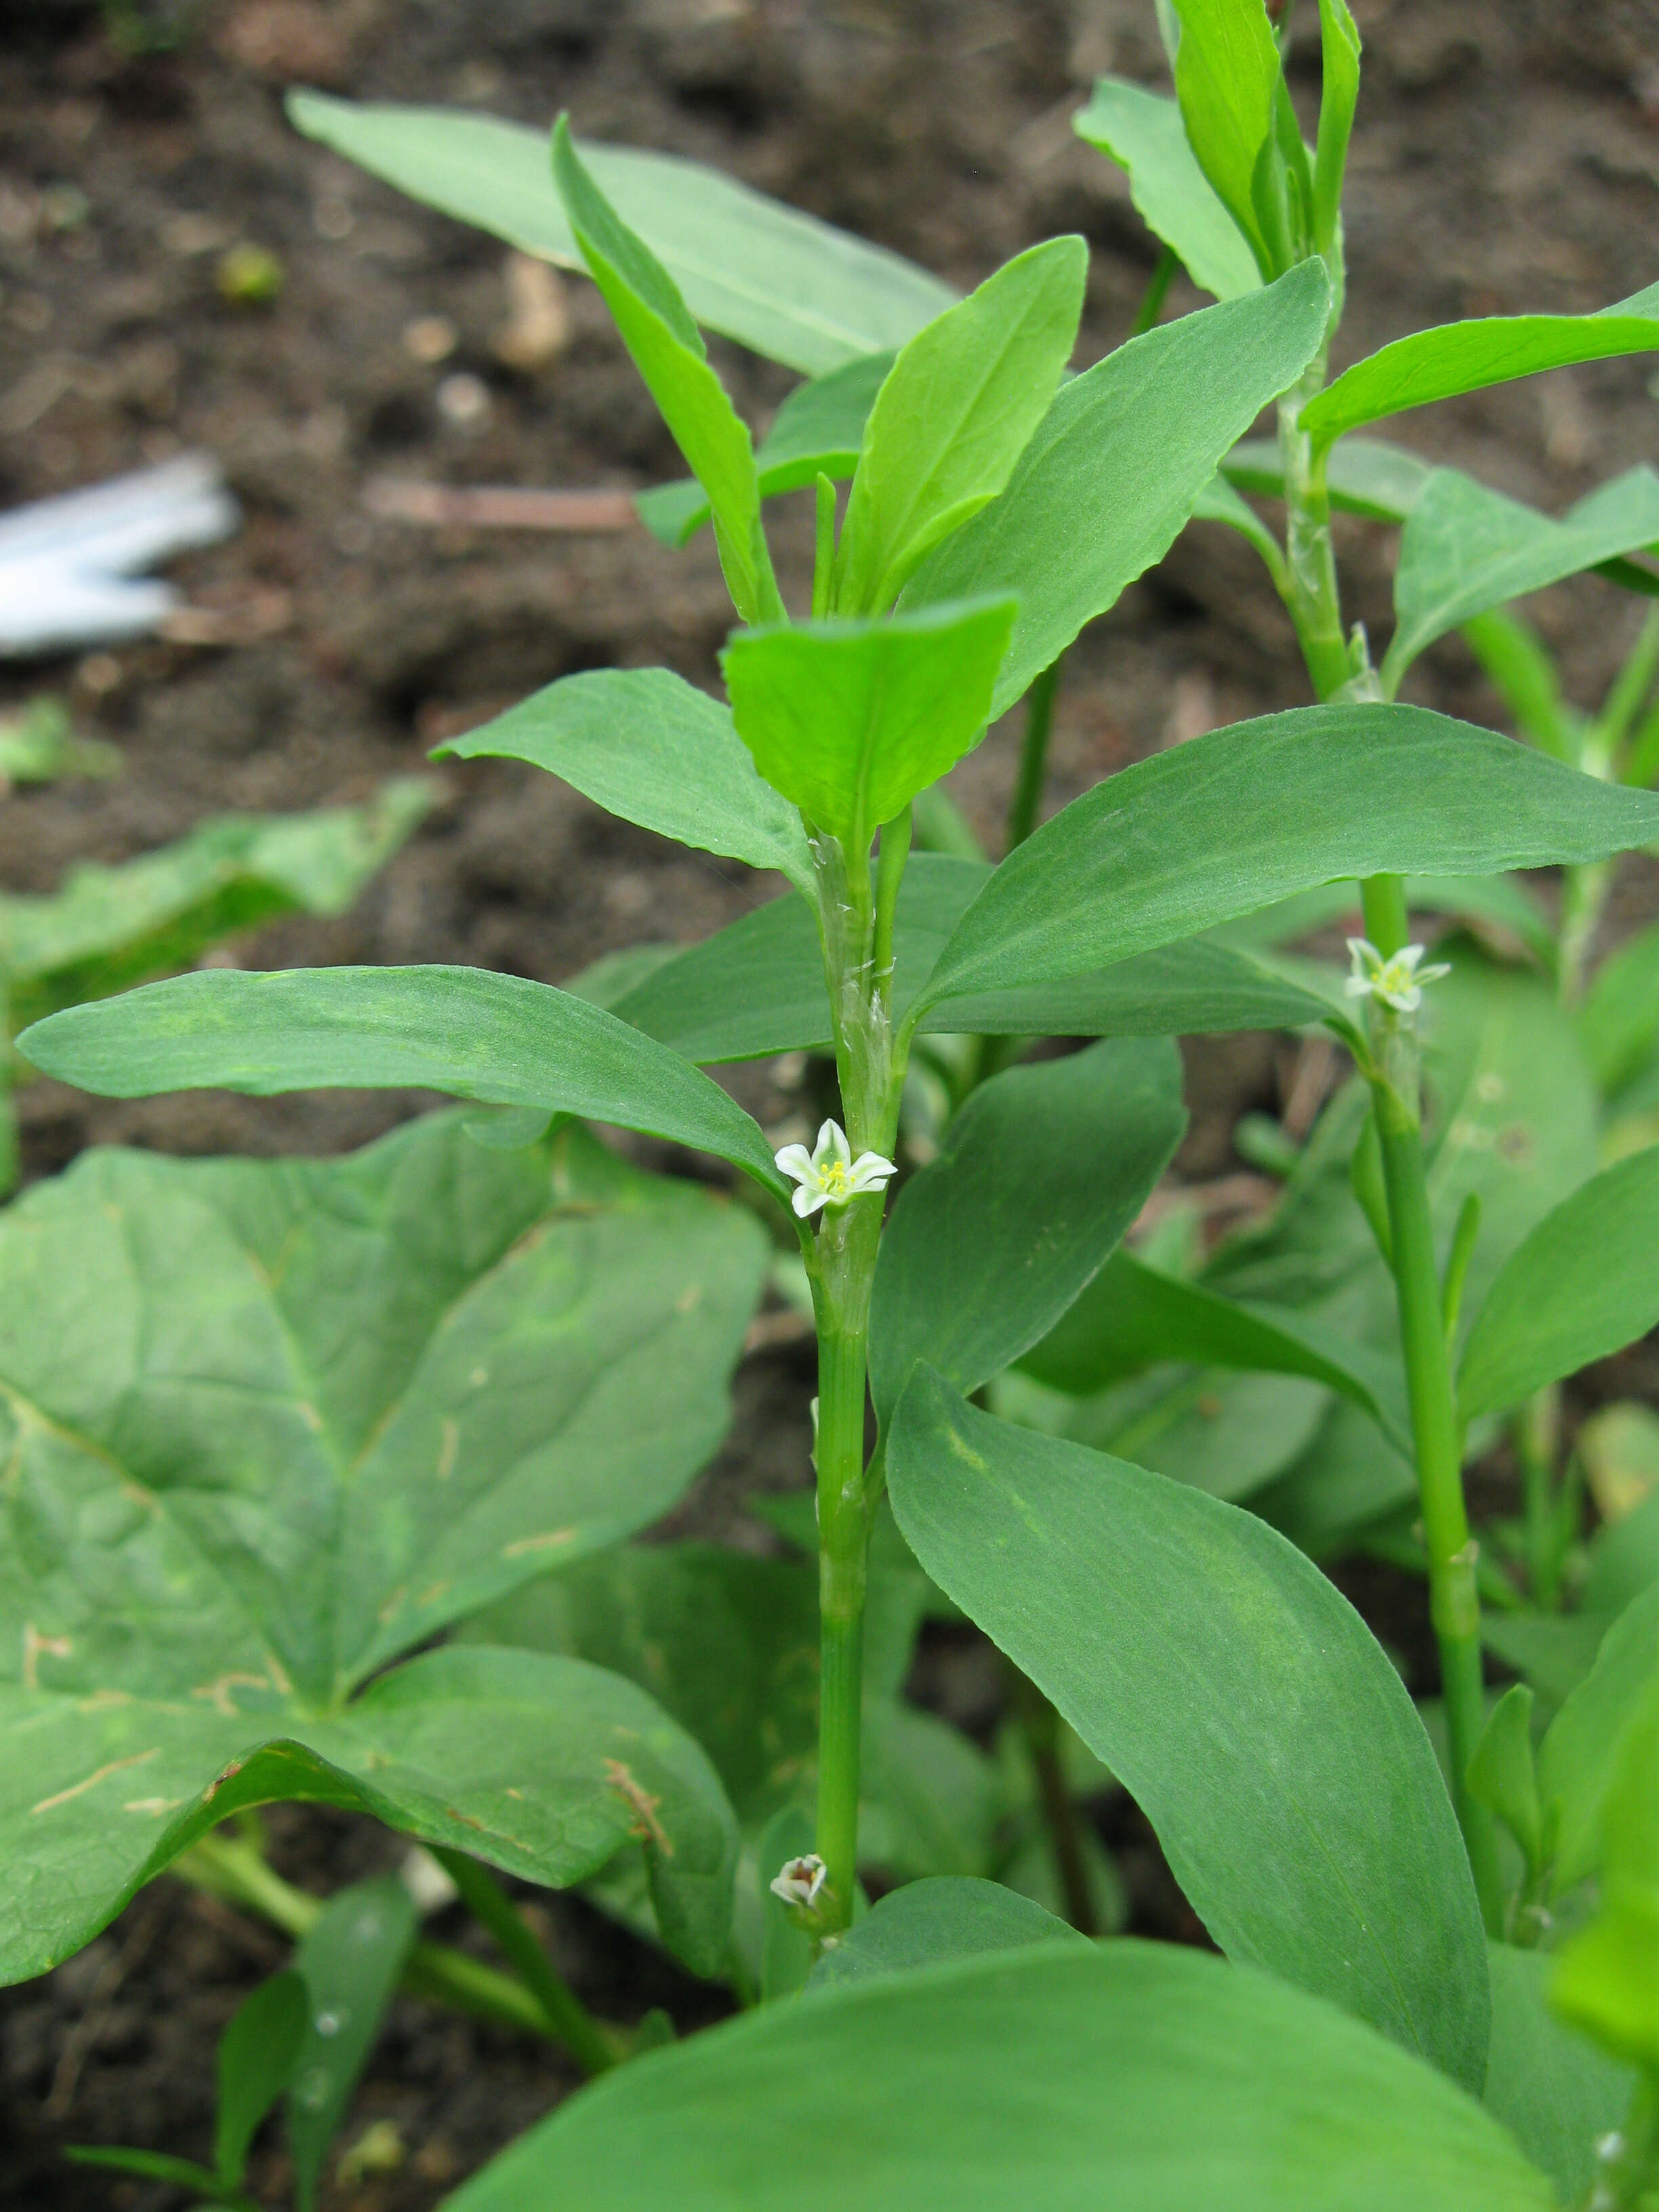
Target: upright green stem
1314	601
1039	1723
1156	291
1033	755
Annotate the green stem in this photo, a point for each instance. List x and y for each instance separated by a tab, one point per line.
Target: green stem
1310	586
1033	755
1536	1435
1039	1723
889	870
1156	291
236	1872
1454	1599
593	2049
847	1248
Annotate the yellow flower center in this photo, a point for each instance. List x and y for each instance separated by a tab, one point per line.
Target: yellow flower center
834	1178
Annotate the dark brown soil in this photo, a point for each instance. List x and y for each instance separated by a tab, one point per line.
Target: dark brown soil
1508	158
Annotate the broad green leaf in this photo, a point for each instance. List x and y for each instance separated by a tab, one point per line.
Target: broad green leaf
1457	357
953	417
1578	1758
1606	1980
778	281
1239	1699
256	2053
1501	901
757	986
1622	1559
1250	813
1555	2092
1618	1021
273	1424
1036	1180
351	1961
1112	472
464	1031
1132	1317
1524	671
659	332
819	431
1364	475
109	927
850	718
1502	1773
1584	1284
1554	1651
1143	132
1143	2076
643	743
1465	548
927	1922
1226	71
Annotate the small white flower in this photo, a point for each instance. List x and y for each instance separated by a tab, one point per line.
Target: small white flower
828	1175
800	1880
1397	981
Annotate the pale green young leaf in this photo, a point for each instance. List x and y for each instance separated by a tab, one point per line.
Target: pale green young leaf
778	281
644	744
1036	1180
1457	357
1143	2076
1237	1695
953	417
927	1922
1142	132
1502	1774
1338	50
1584	1284
1521	666
850	718
1226	73
1132	1317
350	1961
1553	2089
111	927
667	348
818	432
1578	1759
1465	550
1250	813
1115	469
467	1032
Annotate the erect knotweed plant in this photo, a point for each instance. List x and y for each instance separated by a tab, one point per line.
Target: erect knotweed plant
996	506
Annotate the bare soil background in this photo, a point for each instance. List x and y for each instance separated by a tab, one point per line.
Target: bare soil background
1507	158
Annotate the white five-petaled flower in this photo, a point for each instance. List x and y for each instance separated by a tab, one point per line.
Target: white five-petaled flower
1397	981
800	1880
828	1175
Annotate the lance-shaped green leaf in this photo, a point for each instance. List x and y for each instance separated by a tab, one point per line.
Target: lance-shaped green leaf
1338	95
1132	1317
1112	472
1584	1284
1036	1180
271	1425
645	745
783	282
108	927
953	416
1248	814
1607	1980
351	1960
1364	475
1139	2075
1578	1759
851	719
1226	73
927	1922
1465	548
256	2058
1554	2091
757	986
658	331
1143	132
1457	357
498	1038
819	431
1237	1695
1619	1022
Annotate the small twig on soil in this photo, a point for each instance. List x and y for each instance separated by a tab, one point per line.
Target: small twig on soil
498	507
66	2078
